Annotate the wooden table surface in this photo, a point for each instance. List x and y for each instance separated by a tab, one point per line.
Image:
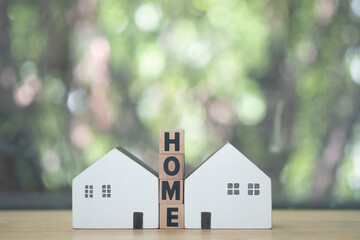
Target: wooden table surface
287	224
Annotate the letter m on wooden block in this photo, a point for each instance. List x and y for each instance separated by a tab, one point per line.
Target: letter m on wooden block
171	191
171	141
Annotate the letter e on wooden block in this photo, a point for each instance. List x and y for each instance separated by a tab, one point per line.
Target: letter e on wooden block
171	167
172	216
171	191
171	141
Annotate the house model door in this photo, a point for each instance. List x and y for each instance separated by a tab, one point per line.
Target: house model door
138	220
205	220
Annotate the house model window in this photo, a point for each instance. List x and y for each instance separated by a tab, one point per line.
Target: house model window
106	191
89	191
254	189
233	189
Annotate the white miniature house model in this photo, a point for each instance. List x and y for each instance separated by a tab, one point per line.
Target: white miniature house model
227	191
117	191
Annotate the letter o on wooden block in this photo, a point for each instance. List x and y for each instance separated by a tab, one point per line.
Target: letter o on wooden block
171	167
176	168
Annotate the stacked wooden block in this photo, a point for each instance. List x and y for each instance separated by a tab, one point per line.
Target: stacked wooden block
171	177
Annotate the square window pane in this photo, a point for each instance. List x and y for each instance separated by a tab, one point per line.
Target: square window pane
108	191
230	192
230	185
257	192
103	186
250	185
91	191
236	192
86	186
86	196
236	185
250	192
104	195
86	191
91	195
91	186
257	185
109	195
108	186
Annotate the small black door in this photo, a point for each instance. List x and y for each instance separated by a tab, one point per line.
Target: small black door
138	220
205	220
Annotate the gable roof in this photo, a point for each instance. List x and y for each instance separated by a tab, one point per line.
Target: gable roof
126	153
138	161
205	160
226	144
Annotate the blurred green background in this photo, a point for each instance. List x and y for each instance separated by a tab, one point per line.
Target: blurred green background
277	79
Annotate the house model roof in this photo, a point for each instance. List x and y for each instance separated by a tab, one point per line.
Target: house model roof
227	146
137	160
126	153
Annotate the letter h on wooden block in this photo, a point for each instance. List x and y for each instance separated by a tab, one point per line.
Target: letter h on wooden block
171	215
171	142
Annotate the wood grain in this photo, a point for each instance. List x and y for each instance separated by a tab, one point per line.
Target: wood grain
167	211
287	224
170	162
164	193
172	149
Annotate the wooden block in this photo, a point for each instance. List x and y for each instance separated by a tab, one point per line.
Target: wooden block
171	191
171	167
172	216
171	141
